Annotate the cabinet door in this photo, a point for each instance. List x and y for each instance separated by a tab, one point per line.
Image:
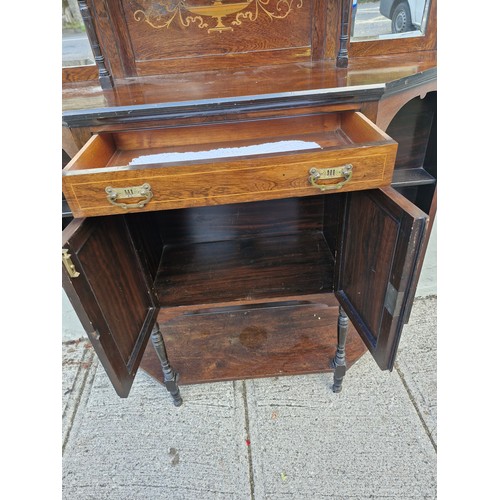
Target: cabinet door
382	236
110	294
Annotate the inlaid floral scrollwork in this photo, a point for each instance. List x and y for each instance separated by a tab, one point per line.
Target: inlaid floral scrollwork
162	13
283	8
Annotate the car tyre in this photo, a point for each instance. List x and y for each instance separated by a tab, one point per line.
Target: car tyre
401	18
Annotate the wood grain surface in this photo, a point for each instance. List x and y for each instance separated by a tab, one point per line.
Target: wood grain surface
398	69
110	295
283	338
381	243
245	269
100	164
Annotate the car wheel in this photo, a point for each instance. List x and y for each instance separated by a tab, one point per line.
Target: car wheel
401	18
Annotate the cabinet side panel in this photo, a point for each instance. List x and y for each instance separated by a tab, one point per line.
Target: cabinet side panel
144	229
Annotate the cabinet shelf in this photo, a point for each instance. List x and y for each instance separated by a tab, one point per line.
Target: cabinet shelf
280	338
244	270
406	177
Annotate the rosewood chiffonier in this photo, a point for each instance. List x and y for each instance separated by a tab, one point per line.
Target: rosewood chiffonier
249	187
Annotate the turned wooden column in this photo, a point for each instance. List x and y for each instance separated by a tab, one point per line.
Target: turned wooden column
339	362
342	54
169	376
105	79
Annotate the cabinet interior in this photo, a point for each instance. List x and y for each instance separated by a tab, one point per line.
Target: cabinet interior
240	252
414	129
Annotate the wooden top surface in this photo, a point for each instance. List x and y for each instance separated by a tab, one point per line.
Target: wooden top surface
384	73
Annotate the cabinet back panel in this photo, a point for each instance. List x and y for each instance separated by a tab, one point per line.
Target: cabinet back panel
241	220
245	270
146	37
152	231
176	41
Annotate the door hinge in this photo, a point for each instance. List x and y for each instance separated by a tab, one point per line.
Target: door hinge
68	264
393	300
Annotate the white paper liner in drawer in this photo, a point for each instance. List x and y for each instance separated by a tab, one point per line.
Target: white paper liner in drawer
256	149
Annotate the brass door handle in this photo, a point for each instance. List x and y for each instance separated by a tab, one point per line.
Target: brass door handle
115	194
316	174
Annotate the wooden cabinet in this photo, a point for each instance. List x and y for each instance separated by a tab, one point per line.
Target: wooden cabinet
238	229
362	246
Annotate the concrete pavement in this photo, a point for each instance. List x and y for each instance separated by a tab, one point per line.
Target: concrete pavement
276	438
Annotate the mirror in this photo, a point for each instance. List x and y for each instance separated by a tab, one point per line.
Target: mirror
76	49
388	19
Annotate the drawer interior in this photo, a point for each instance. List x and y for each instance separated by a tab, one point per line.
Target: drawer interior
239	253
213	142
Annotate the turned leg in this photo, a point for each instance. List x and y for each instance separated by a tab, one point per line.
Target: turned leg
338	363
169	376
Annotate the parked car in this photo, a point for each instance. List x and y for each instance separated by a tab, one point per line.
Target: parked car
405	15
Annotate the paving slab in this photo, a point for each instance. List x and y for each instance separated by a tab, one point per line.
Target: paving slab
416	361
427	283
366	442
72	329
143	447
78	366
275	438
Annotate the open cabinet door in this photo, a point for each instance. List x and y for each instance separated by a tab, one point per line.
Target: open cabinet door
382	235
104	280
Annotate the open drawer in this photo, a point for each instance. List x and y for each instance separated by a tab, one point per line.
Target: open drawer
213	164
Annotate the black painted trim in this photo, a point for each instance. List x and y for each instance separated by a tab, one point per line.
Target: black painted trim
231	105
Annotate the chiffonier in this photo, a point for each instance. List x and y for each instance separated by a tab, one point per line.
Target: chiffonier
249	187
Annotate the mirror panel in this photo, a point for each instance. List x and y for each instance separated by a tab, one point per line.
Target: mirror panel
388	19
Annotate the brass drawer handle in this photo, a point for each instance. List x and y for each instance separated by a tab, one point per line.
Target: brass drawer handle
316	174
115	194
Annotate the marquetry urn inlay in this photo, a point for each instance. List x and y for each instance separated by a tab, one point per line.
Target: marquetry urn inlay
215	16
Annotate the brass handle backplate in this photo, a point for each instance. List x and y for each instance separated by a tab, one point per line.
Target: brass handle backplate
317	174
116	194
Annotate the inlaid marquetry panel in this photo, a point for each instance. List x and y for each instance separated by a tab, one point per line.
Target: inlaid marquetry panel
198	29
151	37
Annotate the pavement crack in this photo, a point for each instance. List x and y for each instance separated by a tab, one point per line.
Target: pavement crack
414	403
249	441
88	367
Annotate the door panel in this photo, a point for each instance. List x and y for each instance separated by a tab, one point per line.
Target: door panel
110	295
382	235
